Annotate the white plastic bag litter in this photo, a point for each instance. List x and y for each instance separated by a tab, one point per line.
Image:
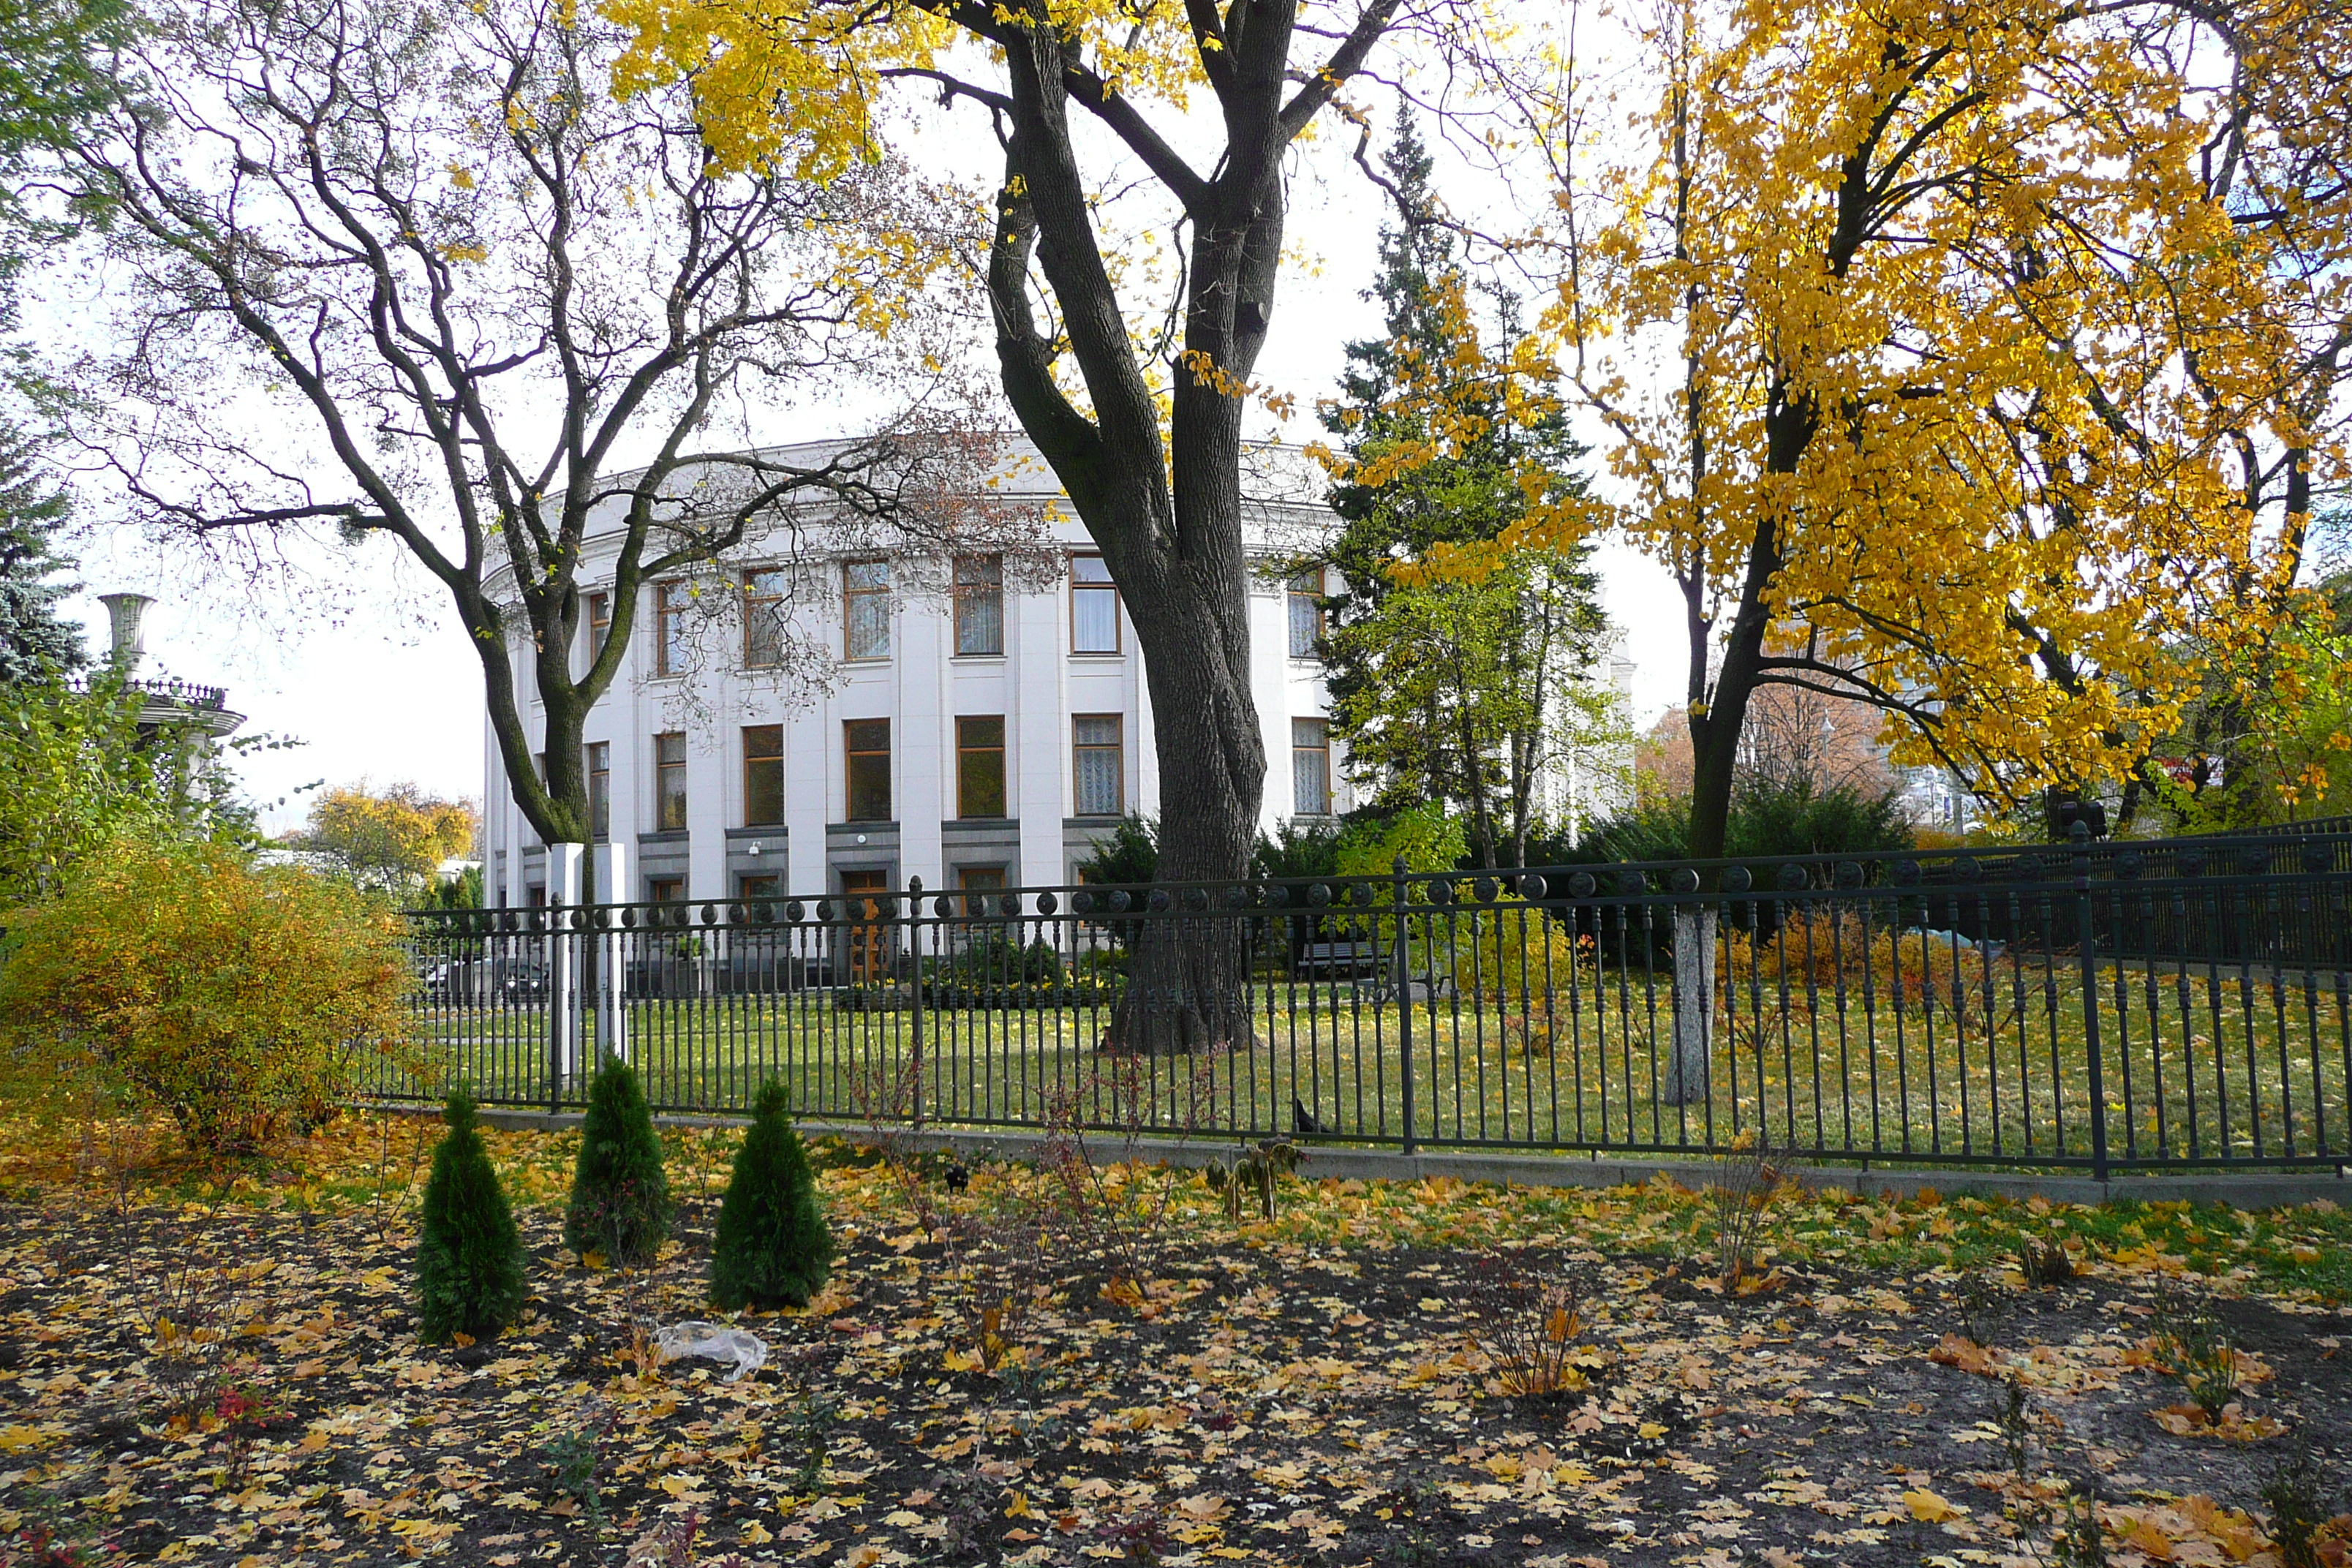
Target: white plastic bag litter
748	1351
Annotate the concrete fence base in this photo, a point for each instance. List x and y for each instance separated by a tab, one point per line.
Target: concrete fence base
2245	1190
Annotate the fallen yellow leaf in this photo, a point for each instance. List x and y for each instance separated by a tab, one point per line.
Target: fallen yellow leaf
1928	1508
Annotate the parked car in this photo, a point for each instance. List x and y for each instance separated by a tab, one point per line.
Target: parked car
476	982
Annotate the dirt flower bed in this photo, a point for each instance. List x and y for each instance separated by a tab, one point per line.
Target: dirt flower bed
207	1369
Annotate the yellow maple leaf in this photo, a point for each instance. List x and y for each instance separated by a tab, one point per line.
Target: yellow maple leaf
1929	1509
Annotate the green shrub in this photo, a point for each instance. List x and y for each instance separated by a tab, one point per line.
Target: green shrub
773	1249
85	772
1129	856
1798	817
1768	820
468	1258
239	1000
620	1199
1297	850
1428	838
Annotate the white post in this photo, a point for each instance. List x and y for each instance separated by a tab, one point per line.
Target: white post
1686	1071
611	868
564	889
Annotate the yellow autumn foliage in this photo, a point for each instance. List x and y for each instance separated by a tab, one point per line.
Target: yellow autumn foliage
239	1000
1980	359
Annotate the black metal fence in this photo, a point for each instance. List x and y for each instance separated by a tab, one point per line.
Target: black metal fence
2132	1006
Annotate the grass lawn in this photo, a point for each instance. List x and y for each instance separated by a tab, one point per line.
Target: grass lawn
214	1364
2220	1067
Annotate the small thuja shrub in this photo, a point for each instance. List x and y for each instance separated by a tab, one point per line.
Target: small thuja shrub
2016	1421
469	1255
620	1199
773	1247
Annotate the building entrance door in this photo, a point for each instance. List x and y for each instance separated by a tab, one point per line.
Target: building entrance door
869	939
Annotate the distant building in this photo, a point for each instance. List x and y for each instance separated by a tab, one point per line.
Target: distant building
973	724
985	726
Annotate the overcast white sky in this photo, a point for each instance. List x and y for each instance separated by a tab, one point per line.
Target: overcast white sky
385	687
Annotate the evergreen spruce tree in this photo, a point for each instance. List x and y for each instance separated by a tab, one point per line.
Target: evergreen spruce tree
773	1247
1453	691
470	1258
620	1199
34	642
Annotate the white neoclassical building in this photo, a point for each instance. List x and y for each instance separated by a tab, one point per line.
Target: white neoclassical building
823	720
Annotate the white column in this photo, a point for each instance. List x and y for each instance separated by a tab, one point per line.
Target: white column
1144	750
923	743
612	864
1269	623
808	794
1037	691
564	866
709	810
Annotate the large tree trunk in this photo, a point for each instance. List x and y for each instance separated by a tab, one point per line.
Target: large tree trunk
1188	987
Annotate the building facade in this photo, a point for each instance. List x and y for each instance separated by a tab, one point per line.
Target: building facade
822	720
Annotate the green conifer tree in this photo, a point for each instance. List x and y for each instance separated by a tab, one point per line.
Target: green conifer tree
620	1199
34	640
773	1247
1454	691
470	1258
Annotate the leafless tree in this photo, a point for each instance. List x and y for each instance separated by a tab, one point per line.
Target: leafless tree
413	272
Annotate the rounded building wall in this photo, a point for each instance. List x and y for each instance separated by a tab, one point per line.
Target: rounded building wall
852	723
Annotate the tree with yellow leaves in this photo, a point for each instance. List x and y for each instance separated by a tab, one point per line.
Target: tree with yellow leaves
391	841
1975	359
1135	401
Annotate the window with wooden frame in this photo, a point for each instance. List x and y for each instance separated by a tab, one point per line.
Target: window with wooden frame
763	629
980	766
979	881
1099	764
666	889
763	775
866	609
669	782
1094	606
600	623
979	605
867	743
1310	767
670	649
1306	612
600	790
